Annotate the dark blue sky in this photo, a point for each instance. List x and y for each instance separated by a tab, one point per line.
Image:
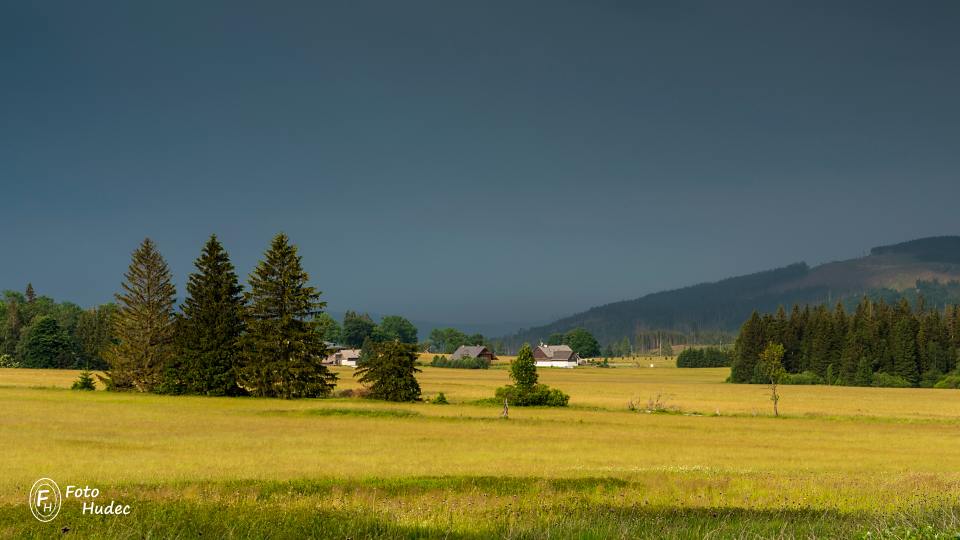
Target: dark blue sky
473	161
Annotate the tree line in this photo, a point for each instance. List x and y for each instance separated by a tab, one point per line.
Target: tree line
269	340
900	344
37	332
708	357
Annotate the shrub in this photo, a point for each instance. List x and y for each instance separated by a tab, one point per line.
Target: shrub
950	381
703	358
805	378
362	392
461	363
6	361
440	400
539	395
84	382
886	380
525	390
930	378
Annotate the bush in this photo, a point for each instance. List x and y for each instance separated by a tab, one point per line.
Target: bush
950	381
7	361
930	378
805	378
84	382
886	380
440	400
703	358
362	392
540	395
462	363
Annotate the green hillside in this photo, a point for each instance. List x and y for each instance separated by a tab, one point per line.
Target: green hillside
928	266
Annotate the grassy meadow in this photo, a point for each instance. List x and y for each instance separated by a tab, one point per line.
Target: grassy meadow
840	462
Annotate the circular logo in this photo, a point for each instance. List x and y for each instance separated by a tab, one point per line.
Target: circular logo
45	499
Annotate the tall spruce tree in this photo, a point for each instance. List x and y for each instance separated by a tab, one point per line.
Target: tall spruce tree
212	324
903	343
750	343
144	324
282	350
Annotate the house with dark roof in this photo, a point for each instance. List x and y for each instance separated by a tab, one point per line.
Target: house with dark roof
343	357
472	351
555	356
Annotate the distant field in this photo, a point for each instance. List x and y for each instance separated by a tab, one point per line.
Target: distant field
842	462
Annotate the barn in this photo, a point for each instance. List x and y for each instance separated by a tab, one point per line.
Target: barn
555	356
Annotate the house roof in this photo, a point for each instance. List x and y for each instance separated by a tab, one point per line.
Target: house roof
562	353
344	354
468	351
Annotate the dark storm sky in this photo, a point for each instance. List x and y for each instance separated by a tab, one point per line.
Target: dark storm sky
473	161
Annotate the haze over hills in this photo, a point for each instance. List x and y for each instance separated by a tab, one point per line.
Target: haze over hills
888	271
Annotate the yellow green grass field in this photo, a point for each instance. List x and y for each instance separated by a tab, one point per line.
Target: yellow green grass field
840	462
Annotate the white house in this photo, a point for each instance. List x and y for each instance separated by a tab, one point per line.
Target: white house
555	356
344	357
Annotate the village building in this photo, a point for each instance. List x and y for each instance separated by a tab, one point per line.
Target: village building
343	357
555	356
473	351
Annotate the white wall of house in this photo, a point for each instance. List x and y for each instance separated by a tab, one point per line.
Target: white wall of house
348	363
551	363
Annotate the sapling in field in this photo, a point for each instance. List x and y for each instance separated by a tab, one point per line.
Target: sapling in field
771	369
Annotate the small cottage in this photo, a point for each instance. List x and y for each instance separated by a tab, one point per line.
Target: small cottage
473	351
344	357
555	356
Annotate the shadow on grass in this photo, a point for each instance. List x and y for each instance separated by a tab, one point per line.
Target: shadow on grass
199	519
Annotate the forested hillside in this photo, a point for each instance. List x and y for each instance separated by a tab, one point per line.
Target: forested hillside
707	312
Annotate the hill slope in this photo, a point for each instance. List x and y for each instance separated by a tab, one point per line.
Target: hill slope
723	305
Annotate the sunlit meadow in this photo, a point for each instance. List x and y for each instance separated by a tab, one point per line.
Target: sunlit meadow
712	461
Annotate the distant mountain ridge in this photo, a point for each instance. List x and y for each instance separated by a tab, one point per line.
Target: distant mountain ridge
723	305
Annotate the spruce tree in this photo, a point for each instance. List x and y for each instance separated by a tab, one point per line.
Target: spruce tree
864	375
144	324
750	343
523	370
282	350
904	345
390	370
211	324
30	294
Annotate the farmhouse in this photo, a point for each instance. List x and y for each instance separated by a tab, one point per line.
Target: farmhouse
344	357
473	351
555	356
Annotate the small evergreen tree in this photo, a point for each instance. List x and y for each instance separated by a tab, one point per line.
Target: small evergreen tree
390	370
282	351
84	382
30	294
